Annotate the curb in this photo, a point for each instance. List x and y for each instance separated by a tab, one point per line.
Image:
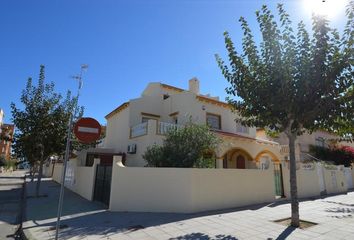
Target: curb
26	235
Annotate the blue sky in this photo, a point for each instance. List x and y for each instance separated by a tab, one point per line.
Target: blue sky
126	44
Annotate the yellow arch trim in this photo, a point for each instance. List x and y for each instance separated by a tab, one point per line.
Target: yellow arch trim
240	150
274	157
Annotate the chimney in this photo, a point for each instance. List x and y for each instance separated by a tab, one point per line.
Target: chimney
194	86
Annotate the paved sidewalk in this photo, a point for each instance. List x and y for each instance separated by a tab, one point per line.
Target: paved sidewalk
89	220
10	200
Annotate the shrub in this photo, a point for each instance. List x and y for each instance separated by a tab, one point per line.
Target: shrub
2	160
186	147
337	155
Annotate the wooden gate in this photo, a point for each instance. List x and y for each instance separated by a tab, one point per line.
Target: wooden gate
278	180
103	179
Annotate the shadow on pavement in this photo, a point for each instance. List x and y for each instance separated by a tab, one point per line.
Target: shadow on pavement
46	207
202	236
286	233
85	218
91	218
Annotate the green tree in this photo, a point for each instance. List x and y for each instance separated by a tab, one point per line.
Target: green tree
292	82
42	124
337	155
190	146
2	160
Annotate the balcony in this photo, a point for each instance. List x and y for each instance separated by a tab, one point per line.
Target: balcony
152	127
139	130
284	149
164	127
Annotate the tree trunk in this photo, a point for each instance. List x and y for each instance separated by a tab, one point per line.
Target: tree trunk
54	161
295	221
40	171
32	173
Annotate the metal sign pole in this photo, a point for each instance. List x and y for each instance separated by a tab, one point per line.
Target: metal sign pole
67	152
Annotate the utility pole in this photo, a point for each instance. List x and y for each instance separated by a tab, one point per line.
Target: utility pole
67	149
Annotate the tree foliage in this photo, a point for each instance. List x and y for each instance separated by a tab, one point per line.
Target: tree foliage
337	155
187	147
41	124
293	81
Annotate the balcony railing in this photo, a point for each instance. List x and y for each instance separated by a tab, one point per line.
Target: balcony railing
139	130
164	127
284	149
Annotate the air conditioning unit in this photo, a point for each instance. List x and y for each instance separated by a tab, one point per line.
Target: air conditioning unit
132	148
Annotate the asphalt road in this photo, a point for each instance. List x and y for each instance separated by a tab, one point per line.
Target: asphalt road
10	199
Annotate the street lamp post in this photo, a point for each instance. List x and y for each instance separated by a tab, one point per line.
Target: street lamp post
67	149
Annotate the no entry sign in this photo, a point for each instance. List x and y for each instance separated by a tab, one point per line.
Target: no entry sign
87	130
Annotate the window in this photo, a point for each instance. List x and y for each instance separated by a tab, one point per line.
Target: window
213	121
145	119
175	119
320	142
148	116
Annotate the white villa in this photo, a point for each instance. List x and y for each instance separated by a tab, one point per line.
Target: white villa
114	173
142	122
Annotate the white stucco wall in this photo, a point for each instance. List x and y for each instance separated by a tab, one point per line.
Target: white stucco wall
335	181
187	190
58	168
146	104
142	143
307	181
118	131
83	177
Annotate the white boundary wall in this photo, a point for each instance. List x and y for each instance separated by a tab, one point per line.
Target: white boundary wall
308	182
80	180
335	180
187	190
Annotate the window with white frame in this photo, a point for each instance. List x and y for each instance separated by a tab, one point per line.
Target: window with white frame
213	121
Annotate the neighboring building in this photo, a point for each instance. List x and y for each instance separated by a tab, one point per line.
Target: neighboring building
5	146
303	143
1	117
144	121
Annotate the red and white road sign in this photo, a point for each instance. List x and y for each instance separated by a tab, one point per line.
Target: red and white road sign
87	130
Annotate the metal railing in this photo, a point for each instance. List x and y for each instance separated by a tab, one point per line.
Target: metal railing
164	127
139	130
284	149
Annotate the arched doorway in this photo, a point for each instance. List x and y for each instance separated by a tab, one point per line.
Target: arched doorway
238	158
240	162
